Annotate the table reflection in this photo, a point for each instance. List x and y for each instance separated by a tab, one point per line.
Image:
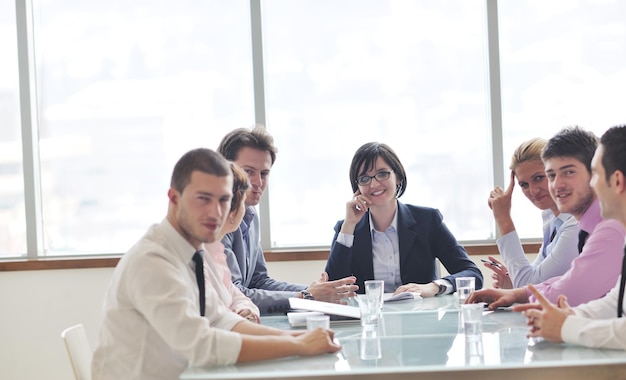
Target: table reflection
425	338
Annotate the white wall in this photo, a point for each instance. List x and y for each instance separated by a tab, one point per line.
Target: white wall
38	305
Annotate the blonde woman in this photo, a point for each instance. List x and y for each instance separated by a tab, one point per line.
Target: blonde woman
560	230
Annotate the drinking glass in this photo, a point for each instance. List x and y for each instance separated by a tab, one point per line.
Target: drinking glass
464	287
369	305
376	287
472	317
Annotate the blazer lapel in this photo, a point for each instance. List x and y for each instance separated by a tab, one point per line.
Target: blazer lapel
239	245
407	234
363	258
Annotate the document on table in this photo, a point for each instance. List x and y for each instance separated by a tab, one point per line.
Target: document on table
404	296
325	307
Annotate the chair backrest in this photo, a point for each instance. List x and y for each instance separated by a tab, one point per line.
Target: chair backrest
78	350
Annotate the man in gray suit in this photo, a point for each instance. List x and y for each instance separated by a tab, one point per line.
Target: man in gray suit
253	150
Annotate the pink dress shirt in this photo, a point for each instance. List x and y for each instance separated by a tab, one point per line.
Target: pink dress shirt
218	275
594	272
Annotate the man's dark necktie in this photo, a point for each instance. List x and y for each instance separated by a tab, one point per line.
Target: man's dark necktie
197	258
553	235
622	282
582	236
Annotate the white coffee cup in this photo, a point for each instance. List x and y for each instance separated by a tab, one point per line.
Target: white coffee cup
315	321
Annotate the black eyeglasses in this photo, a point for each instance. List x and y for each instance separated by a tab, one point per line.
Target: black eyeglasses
365	180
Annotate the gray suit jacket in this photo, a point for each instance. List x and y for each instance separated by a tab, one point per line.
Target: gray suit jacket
249	270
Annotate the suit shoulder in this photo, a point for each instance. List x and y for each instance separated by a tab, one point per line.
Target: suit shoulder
422	210
338	225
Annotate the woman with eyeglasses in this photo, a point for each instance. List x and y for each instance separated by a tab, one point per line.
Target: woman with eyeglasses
384	239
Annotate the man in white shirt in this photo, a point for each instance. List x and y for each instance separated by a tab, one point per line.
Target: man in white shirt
153	325
598	323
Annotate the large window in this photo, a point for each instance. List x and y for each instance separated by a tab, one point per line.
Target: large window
410	74
561	64
124	88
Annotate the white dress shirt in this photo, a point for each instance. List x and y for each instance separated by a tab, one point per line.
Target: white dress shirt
386	255
152	328
596	324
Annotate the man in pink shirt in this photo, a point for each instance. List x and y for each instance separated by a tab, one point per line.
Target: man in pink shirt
567	158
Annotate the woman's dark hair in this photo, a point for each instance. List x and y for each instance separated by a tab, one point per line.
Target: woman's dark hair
365	158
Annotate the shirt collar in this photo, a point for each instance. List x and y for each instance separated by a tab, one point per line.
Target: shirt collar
548	216
554	221
247	219
177	242
591	217
394	222
564	217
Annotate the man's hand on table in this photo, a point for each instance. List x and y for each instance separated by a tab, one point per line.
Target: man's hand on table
495	298
545	318
333	291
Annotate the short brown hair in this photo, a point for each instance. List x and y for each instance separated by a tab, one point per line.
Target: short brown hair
256	138
202	159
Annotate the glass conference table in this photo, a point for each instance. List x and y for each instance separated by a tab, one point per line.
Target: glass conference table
422	339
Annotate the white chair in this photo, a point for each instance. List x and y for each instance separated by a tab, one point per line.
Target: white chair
78	350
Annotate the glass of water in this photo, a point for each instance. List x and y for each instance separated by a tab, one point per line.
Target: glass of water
369	304
374	288
472	316
464	287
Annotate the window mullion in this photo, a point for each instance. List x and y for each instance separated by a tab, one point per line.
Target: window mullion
30	135
258	78
495	94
